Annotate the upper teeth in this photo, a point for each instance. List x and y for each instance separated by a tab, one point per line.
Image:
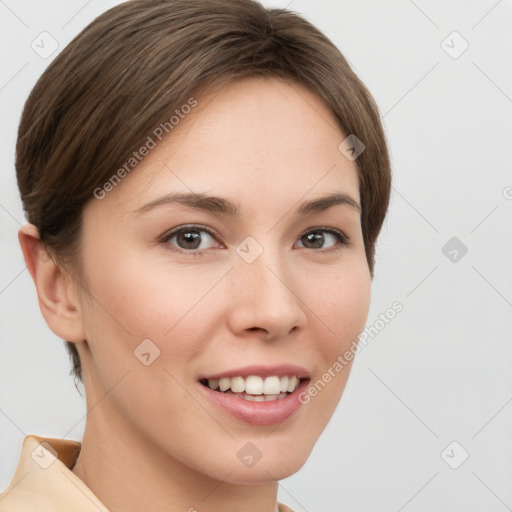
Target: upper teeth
255	385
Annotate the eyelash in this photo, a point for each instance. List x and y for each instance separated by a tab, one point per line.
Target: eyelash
341	237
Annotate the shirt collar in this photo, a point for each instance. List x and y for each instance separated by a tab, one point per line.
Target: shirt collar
43	479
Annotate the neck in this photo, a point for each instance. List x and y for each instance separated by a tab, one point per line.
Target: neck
129	473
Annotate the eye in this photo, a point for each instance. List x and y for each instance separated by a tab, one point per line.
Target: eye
316	238
189	239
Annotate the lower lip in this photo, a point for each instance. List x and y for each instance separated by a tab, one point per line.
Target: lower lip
257	413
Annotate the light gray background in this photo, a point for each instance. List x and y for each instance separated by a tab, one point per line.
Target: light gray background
441	370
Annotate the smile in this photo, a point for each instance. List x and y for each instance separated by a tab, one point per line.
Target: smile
255	388
257	394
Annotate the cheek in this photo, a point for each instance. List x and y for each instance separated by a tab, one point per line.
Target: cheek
134	300
344	308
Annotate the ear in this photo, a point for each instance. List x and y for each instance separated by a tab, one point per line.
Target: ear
57	291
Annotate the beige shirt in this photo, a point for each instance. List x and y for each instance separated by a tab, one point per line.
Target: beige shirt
43	480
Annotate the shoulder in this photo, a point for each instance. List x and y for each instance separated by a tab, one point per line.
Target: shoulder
43	479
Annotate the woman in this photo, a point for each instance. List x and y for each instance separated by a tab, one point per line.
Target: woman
204	184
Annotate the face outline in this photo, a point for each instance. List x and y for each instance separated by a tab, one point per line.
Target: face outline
267	145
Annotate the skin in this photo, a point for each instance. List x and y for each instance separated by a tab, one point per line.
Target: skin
152	441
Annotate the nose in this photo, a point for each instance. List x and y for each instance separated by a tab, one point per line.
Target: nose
266	297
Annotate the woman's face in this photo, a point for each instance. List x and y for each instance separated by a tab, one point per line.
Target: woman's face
178	294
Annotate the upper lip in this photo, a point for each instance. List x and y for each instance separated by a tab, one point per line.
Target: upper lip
281	370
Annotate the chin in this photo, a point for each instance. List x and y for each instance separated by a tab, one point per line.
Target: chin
264	474
273	462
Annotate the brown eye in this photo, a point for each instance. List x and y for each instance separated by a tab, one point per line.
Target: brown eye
190	240
317	238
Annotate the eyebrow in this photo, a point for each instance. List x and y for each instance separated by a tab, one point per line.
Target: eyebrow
223	206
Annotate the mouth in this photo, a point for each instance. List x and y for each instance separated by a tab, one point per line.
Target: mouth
256	388
258	395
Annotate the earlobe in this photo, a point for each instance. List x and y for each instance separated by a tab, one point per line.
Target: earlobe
56	289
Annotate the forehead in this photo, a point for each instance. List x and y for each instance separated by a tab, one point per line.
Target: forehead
262	140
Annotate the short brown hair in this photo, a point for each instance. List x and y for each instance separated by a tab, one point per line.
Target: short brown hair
140	61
